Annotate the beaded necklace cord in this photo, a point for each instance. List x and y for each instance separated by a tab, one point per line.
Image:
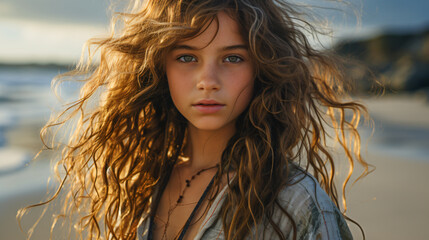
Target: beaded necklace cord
188	182
179	200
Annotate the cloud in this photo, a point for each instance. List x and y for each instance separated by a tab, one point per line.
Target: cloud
26	41
49	30
58	11
395	13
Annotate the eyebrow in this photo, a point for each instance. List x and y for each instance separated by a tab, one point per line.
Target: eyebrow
232	47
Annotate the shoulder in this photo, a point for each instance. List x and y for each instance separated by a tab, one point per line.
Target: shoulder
314	214
303	192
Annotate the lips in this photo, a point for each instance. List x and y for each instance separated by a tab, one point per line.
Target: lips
208	102
208	106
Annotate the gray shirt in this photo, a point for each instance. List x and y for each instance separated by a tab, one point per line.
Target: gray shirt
315	215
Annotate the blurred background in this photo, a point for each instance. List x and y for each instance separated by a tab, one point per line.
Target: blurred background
42	38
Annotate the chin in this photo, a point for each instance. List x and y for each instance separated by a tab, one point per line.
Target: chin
209	125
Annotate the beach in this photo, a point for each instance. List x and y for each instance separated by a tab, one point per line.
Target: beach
390	203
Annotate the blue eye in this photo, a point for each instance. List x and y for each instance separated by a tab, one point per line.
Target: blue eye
233	59
186	58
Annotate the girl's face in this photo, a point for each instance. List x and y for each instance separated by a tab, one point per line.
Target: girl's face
211	77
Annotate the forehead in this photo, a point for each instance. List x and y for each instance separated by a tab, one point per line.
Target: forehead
225	30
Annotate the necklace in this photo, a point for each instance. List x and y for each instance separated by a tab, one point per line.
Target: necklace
188	182
180	199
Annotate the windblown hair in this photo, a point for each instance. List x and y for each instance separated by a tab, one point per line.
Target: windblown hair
122	148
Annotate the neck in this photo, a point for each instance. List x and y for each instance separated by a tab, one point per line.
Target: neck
205	147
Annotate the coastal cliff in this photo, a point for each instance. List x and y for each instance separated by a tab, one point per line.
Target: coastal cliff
399	61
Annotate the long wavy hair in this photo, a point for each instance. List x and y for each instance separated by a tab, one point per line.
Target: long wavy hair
125	143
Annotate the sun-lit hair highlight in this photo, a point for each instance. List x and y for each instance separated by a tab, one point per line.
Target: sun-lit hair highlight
124	146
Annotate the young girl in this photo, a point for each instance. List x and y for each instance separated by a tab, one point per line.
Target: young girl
211	125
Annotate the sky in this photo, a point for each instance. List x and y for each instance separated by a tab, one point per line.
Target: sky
54	31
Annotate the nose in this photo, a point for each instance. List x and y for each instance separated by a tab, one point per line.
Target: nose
208	77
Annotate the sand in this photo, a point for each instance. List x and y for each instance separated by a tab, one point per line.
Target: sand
391	203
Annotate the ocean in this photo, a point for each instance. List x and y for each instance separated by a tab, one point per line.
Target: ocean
26	99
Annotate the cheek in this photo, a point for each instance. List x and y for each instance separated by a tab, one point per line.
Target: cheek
172	86
174	83
248	94
175	90
244	94
179	87
243	85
